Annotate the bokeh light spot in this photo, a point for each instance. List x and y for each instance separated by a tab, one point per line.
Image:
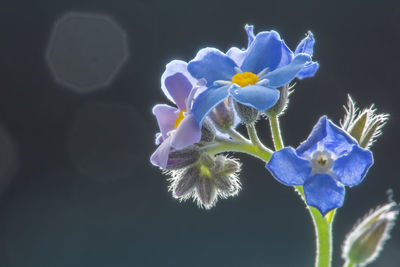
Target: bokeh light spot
86	51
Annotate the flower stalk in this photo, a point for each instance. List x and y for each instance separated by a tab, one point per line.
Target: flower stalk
322	225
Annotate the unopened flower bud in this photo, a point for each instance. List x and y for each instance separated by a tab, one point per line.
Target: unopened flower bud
223	115
364	243
365	126
247	114
186	183
179	159
206	192
206	180
281	105
207	131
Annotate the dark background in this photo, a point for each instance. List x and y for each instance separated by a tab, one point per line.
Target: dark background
77	187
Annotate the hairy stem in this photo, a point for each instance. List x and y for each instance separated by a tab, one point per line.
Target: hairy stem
251	130
323	233
276	131
236	135
349	264
226	145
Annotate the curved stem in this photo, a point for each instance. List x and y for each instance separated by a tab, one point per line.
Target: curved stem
323	233
236	135
349	264
262	153
251	130
276	131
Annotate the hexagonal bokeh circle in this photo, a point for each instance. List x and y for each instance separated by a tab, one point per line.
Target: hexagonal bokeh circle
86	51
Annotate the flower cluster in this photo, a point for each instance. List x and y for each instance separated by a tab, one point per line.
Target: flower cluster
216	91
213	93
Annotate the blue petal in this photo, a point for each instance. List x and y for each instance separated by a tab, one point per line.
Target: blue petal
264	52
208	100
324	193
331	137
288	168
237	55
351	169
212	65
256	96
250	33
306	45
308	71
287	56
287	73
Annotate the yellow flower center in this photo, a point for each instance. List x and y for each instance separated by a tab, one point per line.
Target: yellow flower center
180	118
245	78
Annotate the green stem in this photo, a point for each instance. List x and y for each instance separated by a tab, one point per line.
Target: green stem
349	264
236	135
276	132
323	233
262	153
251	130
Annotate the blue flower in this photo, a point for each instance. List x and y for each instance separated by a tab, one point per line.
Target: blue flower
326	162
250	76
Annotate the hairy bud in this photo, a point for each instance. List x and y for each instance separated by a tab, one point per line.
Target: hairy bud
223	115
364	243
206	180
365	126
179	159
207	131
247	114
280	106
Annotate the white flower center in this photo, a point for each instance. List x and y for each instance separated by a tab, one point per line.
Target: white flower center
321	162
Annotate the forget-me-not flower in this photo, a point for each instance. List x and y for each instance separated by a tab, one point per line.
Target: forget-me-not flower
250	76
326	162
178	126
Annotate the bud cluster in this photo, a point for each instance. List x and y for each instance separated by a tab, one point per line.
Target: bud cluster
206	180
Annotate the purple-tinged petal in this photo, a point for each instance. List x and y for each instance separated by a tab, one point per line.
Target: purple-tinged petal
306	45
351	169
331	136
287	56
179	88
159	139
288	168
212	65
208	100
308	71
264	52
187	133
256	96
286	74
324	193
237	55
175	66
160	156
166	117
250	33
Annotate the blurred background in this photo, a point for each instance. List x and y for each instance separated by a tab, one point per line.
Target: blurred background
78	80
